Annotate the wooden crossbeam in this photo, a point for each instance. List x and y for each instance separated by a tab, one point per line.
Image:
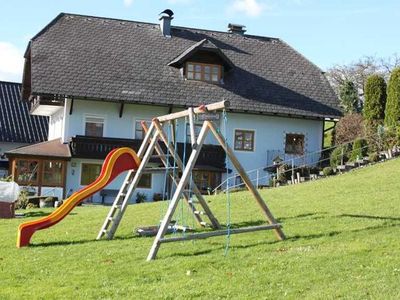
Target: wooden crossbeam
205	235
197	110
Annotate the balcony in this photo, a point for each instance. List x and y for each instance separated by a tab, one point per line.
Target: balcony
45	105
211	156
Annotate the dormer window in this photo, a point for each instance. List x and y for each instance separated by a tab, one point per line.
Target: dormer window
203	72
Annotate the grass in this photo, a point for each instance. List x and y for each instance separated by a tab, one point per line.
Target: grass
342	242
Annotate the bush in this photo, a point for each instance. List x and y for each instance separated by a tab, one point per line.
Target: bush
31	205
140	197
328	171
348	97
359	149
22	201
349	128
339	155
373	157
392	110
374	98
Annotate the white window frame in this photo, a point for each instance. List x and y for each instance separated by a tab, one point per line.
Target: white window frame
87	116
134	127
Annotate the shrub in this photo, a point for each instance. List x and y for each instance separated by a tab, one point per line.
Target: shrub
339	155
373	157
392	110
328	171
349	128
359	149
31	205
141	197
22	201
375	98
374	133
348	97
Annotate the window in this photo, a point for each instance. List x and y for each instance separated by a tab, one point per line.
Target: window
145	181
294	144
244	140
205	180
52	173
203	72
89	173
197	129
27	171
94	126
139	133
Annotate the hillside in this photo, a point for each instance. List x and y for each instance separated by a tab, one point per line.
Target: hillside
343	242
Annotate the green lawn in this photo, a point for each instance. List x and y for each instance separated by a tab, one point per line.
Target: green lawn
343	242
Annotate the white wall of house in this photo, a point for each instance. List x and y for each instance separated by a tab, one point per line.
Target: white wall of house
73	183
270	133
56	125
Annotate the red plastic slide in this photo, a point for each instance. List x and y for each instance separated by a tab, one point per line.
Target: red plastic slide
117	161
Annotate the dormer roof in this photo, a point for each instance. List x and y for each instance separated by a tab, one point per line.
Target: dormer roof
203	45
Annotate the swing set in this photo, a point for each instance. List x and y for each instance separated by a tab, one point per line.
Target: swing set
184	183
156	140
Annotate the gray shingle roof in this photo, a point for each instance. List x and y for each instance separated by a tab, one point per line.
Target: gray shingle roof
16	124
117	60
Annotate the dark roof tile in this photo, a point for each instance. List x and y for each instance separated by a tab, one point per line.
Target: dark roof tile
16	124
124	60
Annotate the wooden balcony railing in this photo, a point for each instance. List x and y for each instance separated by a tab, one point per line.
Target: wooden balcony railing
99	147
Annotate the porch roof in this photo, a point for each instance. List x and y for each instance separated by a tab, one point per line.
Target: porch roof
49	149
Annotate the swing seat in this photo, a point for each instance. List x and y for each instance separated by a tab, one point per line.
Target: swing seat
152	230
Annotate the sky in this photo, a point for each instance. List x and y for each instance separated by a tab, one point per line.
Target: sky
327	32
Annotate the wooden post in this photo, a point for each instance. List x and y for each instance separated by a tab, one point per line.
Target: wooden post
175	179
191	124
214	222
175	199
278	231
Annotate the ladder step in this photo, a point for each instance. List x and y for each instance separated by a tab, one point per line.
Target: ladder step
198	212
204	224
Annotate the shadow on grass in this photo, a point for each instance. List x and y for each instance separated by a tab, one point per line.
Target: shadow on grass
288	239
313	216
66	243
370	217
36	214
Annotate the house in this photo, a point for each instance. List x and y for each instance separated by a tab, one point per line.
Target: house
98	78
17	127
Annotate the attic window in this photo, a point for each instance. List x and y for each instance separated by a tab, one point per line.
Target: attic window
203	72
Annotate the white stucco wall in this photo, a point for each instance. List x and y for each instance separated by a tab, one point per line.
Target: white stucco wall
270	132
56	125
73	183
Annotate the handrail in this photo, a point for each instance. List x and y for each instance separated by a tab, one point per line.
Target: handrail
302	157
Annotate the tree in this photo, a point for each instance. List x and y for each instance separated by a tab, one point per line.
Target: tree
349	128
374	98
349	97
392	110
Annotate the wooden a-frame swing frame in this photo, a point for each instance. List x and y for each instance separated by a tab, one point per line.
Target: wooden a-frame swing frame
150	144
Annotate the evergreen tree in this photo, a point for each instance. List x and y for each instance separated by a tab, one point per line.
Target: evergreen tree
349	97
392	110
374	98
